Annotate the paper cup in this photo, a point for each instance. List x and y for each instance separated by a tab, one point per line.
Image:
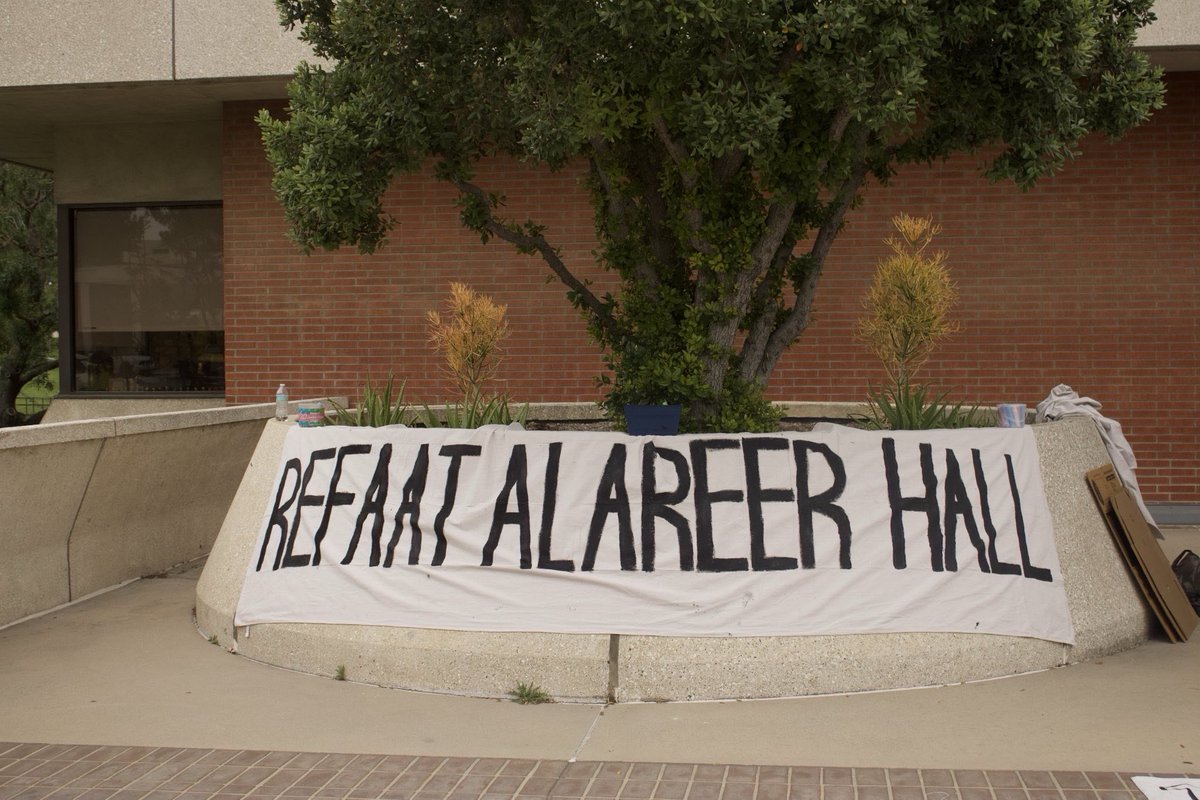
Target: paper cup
310	415
1012	415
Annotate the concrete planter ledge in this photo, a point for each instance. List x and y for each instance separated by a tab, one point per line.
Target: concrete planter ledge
89	505
1107	611
84	430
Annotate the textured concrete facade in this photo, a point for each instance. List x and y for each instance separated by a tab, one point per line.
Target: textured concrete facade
51	42
70	68
1177	25
79	41
67	409
219	39
1107	611
58	42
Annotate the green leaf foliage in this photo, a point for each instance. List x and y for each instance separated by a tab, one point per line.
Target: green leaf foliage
528	694
475	412
376	408
725	140
915	407
28	300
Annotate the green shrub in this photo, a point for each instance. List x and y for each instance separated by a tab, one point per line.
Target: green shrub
475	413
907	407
376	409
529	694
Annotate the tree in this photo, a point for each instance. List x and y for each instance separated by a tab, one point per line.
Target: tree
726	141
28	304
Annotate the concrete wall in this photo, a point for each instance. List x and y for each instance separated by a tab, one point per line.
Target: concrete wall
1108	614
217	38
82	41
74	409
88	505
74	41
138	163
1177	25
1106	610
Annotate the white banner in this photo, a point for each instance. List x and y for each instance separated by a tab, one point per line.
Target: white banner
836	532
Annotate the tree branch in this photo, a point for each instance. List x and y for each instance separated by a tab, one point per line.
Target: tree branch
777	243
837	130
675	150
779	220
537	243
722	332
616	210
648	166
692	216
798	318
36	370
690	180
760	331
728	165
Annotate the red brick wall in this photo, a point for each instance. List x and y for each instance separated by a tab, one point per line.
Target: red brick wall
325	322
1090	279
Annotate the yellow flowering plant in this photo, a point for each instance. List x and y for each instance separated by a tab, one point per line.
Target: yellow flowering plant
469	336
906	317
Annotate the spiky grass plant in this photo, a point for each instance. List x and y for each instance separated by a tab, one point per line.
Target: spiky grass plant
376	408
907	407
475	413
528	694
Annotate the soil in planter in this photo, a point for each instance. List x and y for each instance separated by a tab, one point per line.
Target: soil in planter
789	424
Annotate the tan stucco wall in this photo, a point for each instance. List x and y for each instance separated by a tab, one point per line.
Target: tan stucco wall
138	163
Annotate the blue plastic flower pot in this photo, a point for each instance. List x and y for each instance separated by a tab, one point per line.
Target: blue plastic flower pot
644	420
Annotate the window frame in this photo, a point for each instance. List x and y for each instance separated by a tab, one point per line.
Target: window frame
66	300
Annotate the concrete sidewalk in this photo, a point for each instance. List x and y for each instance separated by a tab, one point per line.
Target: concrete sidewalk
128	668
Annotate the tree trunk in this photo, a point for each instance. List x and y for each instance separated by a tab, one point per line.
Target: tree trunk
10	387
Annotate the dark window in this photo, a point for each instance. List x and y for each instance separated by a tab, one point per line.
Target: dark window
146	310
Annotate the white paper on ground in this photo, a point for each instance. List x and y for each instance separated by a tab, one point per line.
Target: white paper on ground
1168	788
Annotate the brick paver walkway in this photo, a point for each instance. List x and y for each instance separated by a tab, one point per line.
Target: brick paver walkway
92	772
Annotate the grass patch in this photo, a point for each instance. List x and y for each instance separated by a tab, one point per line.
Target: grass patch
529	694
36	395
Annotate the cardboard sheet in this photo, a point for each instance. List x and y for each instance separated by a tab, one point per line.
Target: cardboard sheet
1143	555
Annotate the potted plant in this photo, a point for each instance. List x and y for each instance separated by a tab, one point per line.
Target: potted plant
652	419
648	393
